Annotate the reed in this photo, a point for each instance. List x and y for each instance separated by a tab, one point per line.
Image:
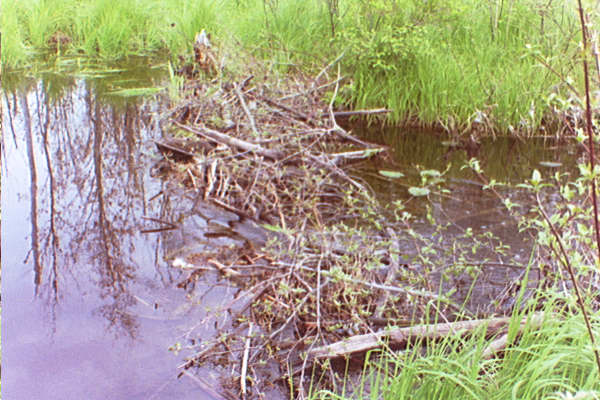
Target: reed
452	63
551	362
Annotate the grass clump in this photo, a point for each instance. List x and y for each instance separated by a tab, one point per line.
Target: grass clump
551	362
460	62
457	64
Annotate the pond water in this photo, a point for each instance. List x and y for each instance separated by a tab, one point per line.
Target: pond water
92	307
465	206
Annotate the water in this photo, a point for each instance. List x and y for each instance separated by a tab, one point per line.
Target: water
90	307
464	205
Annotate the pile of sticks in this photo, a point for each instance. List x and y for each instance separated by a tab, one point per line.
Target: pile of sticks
276	155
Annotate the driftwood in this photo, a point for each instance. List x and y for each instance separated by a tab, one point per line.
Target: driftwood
399	336
232	142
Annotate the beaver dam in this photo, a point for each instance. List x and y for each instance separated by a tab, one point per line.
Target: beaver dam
249	238
325	267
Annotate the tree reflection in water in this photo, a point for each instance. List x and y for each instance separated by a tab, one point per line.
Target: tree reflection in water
87	192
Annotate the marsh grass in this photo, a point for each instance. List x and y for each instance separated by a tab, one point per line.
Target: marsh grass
541	363
457	64
460	61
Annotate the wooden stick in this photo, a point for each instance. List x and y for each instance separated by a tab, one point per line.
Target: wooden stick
245	360
398	336
246	110
494	347
344	114
298	114
232	142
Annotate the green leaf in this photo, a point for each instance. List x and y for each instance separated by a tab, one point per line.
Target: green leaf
431	173
418	191
391	174
550	164
536	177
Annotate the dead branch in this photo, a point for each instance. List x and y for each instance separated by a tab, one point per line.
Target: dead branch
240	96
231	141
245	360
352	113
400	336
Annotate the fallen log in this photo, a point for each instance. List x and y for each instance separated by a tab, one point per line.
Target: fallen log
399	336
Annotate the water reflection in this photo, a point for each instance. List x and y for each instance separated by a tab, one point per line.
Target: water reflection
500	256
83	289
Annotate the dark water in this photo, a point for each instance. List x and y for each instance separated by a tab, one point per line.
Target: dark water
90	307
461	203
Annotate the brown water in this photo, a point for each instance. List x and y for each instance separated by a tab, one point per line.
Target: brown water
466	206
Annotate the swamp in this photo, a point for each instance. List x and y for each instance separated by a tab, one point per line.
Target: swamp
318	199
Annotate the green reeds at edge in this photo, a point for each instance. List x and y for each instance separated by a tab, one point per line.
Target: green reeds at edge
455	63
548	362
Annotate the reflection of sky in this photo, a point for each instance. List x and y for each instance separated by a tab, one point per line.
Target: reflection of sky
68	349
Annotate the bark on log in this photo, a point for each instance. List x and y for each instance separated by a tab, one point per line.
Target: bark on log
399	336
233	142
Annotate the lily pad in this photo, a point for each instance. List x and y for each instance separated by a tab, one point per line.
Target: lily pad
391	174
418	191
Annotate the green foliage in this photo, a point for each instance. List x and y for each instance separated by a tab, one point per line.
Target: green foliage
448	62
457	63
541	363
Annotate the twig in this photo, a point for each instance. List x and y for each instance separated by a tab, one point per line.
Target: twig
223	268
494	347
298	114
169	225
345	114
245	360
314	89
589	127
232	142
331	64
298	306
569	268
590	132
413	292
246	110
331	114
393	270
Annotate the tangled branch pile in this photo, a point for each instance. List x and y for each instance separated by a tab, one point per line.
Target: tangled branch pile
331	269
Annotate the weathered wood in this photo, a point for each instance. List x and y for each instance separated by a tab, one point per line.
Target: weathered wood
348	156
399	336
232	142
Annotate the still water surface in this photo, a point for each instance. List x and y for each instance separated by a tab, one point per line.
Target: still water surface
90	307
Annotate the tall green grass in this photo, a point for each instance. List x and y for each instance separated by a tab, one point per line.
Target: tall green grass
461	60
542	363
454	62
